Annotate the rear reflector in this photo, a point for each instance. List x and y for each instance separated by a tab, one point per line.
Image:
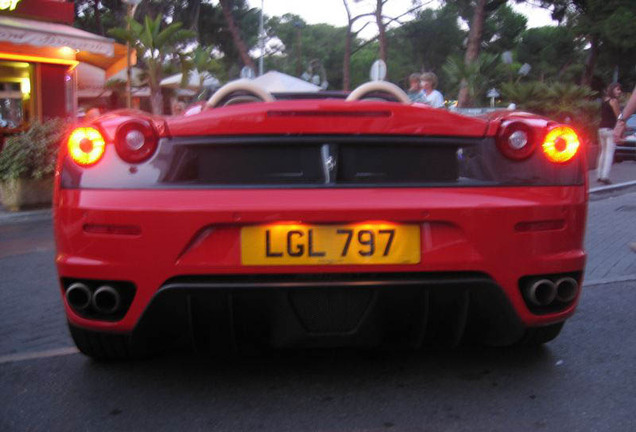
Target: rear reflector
545	225
130	230
86	146
561	144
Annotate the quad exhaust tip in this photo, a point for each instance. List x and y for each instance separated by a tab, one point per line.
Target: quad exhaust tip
540	292
78	296
544	292
567	289
106	300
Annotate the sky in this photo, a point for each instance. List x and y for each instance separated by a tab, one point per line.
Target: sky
333	12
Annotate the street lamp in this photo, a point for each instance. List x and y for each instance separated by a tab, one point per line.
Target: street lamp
130	12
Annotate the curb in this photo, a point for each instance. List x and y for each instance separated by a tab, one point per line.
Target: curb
612	187
7	218
596	282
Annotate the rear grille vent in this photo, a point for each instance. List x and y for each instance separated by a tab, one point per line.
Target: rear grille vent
380	161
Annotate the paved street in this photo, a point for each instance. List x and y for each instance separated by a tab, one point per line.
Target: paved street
582	381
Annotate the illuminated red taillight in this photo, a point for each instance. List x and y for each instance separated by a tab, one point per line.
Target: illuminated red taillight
561	144
516	140
135	141
86	146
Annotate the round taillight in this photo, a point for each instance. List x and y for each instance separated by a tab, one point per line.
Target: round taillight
86	146
561	144
135	142
516	140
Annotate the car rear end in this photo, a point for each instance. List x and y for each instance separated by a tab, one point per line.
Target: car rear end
319	223
626	148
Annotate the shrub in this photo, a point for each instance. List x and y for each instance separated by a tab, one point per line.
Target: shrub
563	102
33	153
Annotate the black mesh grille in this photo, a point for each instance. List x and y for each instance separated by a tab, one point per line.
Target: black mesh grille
327	161
381	164
247	165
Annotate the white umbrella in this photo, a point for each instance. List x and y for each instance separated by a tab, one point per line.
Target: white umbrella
274	82
194	82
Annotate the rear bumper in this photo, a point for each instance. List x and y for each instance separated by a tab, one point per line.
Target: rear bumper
196	233
626	150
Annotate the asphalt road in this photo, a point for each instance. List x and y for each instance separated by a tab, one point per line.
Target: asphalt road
583	381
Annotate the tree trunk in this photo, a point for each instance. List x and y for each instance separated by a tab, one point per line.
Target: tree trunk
98	18
154	78
346	62
156	101
381	30
226	5
193	15
590	65
472	50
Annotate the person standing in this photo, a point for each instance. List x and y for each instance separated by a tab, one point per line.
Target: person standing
415	89
621	119
432	97
610	109
619	129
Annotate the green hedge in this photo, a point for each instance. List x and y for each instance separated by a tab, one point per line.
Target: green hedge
33	153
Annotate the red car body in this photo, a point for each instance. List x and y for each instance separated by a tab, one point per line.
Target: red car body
169	242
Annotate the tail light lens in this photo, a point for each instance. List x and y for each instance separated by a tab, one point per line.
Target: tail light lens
561	144
86	146
516	140
135	142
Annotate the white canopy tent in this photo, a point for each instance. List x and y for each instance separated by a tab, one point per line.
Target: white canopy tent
91	81
278	82
137	76
40	33
194	82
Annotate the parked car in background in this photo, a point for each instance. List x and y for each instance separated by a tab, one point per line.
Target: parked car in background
626	150
318	220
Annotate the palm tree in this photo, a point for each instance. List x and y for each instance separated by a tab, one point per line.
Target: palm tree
153	45
201	61
473	79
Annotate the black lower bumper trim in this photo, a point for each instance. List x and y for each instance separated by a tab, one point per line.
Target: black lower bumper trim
330	310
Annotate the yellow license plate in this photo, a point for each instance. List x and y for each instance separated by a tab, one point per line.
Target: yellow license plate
300	244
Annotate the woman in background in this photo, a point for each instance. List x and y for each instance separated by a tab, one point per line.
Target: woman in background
610	109
432	97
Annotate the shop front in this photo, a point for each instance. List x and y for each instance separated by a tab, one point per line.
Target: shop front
39	55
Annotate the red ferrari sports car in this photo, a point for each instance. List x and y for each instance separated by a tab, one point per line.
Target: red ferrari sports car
318	221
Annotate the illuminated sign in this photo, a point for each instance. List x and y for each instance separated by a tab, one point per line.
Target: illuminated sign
9	4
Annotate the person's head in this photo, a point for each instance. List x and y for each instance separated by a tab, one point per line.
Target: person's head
613	90
414	81
429	81
92	114
178	108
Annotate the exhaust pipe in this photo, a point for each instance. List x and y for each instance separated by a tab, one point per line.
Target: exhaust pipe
78	296
540	292
566	289
106	300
